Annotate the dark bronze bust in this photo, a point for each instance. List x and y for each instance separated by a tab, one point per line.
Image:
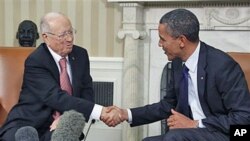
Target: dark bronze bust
27	34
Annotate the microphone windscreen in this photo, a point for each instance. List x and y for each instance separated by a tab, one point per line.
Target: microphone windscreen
69	127
26	133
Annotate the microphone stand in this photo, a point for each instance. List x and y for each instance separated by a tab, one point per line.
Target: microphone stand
92	122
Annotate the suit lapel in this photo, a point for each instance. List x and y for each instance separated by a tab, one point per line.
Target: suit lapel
202	77
51	63
72	61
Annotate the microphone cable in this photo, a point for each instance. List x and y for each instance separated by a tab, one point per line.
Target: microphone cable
92	122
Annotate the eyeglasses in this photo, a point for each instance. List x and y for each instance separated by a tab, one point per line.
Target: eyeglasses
64	35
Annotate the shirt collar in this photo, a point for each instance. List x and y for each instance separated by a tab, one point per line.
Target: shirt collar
55	55
192	61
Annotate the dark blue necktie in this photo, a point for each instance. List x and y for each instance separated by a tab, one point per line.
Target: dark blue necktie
183	106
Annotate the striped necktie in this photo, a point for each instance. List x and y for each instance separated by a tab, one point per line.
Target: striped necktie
64	77
64	81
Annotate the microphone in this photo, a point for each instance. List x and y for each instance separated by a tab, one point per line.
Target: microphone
26	133
69	127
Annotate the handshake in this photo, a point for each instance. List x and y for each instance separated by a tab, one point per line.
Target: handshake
113	115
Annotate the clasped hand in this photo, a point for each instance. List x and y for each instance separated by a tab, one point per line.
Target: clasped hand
178	120
113	115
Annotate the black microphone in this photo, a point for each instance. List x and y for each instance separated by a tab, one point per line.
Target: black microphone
92	122
69	127
26	133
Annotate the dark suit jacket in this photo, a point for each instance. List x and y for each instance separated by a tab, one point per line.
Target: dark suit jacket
41	94
222	90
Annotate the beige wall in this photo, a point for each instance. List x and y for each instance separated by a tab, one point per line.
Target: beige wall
96	21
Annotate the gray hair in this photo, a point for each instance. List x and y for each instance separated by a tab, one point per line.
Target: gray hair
45	20
181	22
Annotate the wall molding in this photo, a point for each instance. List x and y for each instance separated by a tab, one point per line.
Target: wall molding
106	63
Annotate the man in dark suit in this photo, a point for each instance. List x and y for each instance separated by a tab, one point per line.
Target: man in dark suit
41	95
218	95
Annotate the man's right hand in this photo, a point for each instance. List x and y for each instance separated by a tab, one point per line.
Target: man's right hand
113	115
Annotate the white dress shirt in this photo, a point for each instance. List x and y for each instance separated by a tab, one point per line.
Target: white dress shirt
193	97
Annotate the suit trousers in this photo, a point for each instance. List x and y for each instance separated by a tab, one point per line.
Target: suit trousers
189	134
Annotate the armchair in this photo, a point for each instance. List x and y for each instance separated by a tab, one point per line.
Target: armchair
11	75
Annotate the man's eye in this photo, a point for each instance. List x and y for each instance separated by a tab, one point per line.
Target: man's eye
61	36
70	32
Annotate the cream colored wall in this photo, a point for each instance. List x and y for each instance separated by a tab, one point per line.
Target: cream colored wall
96	21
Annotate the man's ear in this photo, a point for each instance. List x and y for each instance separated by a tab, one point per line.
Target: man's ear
182	39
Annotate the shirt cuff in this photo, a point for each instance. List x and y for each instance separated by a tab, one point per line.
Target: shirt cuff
201	125
129	116
96	112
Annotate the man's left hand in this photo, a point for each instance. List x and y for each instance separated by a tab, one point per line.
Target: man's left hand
178	120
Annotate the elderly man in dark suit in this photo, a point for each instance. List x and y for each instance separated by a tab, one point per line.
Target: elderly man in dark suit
43	99
216	94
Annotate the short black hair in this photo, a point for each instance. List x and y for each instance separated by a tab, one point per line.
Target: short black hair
181	22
